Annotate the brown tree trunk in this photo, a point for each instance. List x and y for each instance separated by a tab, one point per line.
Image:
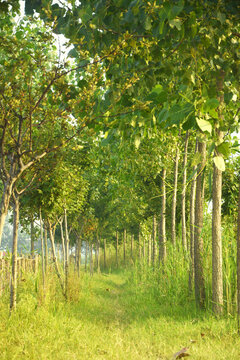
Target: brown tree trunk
63	244
238	259
174	199
51	234
192	227
91	259
117	248
4	206
154	232
124	246
104	254
32	237
86	254
162	225
13	292
198	239
66	253
42	248
184	230
46	248
217	275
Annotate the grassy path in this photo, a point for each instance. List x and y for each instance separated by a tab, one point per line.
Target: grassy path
109	321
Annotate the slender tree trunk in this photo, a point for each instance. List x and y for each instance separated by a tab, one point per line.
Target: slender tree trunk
154	232
174	199
91	259
198	239
86	254
32	236
79	255
42	247
217	275
13	293
132	241
104	254
162	225
238	259
184	230
4	205
149	249
192	227
99	255
144	250
139	245
46	248
124	245
66	253
63	244
117	248
51	234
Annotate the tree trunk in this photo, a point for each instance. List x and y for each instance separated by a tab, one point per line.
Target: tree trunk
139	246
117	248
184	231
99	255
192	227
13	293
91	260
104	253
4	206
162	225
46	248
217	275
154	232
86	254
63	244
198	240
124	246
66	253
51	234
238	259
174	199
79	255
32	236
132	240
42	248
149	249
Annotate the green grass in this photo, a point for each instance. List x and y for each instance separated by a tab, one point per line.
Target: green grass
109	316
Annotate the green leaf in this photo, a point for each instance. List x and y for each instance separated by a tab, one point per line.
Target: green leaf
219	162
196	159
204	125
210	104
175	23
224	148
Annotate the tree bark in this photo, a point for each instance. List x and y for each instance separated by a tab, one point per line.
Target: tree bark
154	232
32	236
63	244
91	260
86	254
104	254
124	245
117	248
217	275
192	227
184	230
66	253
149	249
4	205
174	199
51	234
198	239
162	225
238	260
46	248
42	248
13	292
79	255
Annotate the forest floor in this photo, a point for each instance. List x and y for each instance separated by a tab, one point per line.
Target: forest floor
108	319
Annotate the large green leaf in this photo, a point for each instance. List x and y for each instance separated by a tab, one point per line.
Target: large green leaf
204	125
219	162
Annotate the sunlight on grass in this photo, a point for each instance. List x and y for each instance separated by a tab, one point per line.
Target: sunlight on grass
108	319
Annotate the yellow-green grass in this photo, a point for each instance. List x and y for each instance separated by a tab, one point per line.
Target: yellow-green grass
108	318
